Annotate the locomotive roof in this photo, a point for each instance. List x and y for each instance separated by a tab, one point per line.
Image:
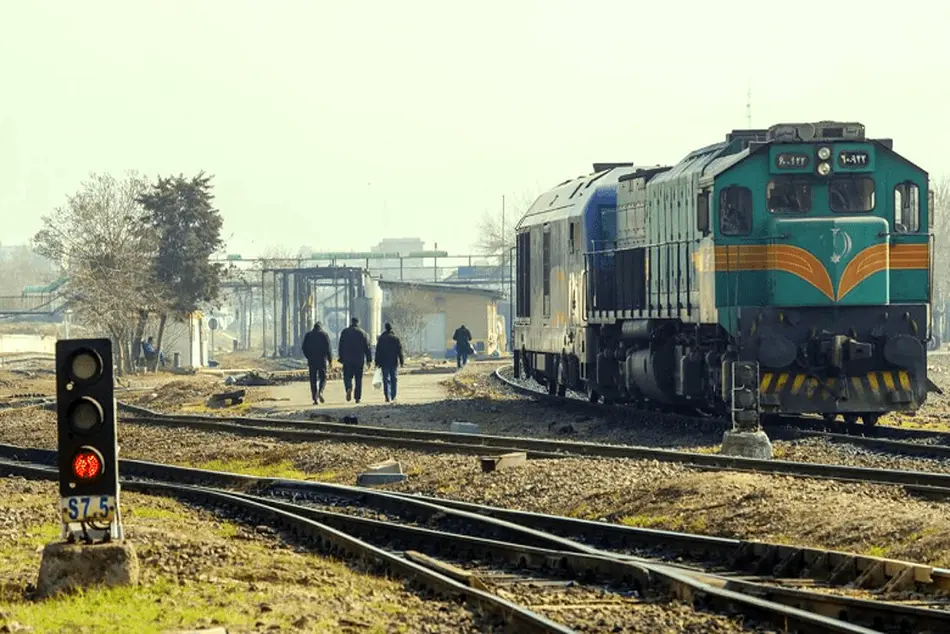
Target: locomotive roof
568	199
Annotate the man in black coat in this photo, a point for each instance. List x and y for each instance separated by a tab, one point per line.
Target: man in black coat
353	351
388	355
462	338
316	347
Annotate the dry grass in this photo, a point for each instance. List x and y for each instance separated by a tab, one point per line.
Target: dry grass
199	571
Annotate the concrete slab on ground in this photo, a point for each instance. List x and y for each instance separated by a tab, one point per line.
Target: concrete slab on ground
69	567
370	479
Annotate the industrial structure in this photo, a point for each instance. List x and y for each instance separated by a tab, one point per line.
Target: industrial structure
268	304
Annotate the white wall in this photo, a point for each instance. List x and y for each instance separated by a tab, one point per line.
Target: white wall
190	339
27	343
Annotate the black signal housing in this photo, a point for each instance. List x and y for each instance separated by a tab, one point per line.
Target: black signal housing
86	418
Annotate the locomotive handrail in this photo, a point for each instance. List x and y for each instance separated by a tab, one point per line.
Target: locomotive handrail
652	245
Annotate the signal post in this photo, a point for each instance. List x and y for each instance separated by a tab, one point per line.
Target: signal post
746	437
93	550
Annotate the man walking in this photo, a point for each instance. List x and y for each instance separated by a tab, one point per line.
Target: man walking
353	351
316	347
388	355
462	338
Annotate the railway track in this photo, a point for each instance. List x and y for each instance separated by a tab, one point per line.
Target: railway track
794	425
912	442
472	553
918	482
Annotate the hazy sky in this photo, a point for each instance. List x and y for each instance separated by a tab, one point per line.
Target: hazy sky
335	124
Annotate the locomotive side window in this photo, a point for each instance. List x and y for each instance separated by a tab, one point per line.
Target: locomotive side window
702	213
546	270
523	263
788	195
906	208
735	211
851	194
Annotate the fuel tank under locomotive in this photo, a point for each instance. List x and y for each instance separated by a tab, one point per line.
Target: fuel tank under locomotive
659	361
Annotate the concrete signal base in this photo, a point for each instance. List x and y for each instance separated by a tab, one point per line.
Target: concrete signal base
67	567
747	444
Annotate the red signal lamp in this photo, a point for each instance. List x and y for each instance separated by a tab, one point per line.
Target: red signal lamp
88	464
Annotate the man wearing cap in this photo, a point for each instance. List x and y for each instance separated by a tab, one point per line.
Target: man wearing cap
388	359
316	347
353	351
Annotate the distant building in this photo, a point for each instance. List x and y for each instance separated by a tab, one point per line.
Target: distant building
415	269
189	338
391	259
444	308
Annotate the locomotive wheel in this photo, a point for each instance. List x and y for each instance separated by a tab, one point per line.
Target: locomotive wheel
870	419
850	419
830	418
592	394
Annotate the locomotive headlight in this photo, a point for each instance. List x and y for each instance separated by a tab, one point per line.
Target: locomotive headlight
824	153
824	169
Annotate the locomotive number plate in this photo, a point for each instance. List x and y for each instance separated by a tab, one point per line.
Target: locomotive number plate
792	160
854	158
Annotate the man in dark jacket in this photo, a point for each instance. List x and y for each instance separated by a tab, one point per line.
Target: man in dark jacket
388	355
353	351
462	338
316	347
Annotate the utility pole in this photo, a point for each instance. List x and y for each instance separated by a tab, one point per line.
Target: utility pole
504	266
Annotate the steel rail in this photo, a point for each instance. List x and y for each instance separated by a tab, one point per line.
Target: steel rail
717	595
885	444
923	482
334	541
865	612
781	560
787	424
540	528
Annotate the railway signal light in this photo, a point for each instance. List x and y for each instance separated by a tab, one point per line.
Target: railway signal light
745	395
87	442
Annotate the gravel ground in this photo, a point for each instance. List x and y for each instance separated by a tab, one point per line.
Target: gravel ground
203	572
589	609
818	450
852	517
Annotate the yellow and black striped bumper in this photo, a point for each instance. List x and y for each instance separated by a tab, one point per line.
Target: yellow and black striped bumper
795	392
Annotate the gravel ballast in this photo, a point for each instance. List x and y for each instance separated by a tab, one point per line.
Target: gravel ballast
820	513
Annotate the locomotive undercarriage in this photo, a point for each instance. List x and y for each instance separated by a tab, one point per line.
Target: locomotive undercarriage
855	361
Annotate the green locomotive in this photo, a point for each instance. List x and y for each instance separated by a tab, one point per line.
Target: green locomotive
802	253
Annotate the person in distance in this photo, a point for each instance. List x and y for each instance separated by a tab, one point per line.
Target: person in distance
316	347
462	338
353	351
388	355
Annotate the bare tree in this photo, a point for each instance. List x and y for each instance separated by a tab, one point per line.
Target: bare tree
940	224
101	240
496	230
21	266
408	319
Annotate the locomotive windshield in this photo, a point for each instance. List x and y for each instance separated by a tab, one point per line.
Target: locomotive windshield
788	195
851	194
